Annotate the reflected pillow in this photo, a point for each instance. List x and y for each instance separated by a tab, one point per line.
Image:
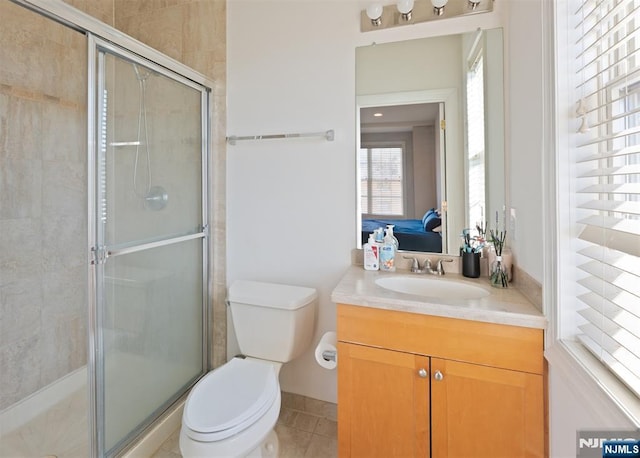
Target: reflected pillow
431	220
429	214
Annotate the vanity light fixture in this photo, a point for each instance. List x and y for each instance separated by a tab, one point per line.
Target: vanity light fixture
405	8
374	12
438	7
378	16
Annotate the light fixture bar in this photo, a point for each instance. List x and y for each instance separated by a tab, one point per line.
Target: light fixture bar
423	11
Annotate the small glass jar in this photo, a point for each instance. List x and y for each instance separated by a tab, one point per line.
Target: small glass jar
498	274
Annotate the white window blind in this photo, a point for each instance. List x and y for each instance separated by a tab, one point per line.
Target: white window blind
606	175
382	180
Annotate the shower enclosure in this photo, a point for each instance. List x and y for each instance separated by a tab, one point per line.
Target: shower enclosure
104	238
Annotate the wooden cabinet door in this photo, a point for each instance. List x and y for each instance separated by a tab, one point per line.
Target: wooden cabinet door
479	411
384	403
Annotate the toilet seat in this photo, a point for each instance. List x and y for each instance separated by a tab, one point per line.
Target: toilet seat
230	399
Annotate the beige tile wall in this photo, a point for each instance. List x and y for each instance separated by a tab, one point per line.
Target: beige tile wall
43	202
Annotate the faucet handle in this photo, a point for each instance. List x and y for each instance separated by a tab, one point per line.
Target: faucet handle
439	266
415	267
427	265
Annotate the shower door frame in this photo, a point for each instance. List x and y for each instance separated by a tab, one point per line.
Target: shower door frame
98	252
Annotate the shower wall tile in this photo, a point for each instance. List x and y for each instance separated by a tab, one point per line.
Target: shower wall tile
20	308
20	32
20	188
4	120
43	201
20	362
21	247
23	129
206	63
219	232
63	323
127	8
64	244
64	186
64	133
158	27
204	26
63	346
65	295
102	10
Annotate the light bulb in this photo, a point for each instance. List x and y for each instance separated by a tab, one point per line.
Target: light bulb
374	12
438	7
405	7
473	4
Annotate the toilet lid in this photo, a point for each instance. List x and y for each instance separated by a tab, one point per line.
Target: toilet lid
230	399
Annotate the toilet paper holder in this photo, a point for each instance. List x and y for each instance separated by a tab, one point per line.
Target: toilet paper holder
329	355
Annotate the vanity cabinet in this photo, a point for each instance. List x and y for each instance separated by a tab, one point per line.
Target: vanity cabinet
413	385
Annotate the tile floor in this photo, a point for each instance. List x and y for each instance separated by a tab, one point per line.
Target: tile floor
307	428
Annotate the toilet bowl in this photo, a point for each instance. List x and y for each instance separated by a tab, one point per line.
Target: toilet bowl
232	410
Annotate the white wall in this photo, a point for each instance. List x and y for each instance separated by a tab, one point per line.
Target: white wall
425	185
573	408
291	203
524	124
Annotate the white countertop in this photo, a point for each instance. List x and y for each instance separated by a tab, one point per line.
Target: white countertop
501	306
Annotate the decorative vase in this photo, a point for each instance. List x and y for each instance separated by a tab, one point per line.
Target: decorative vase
498	276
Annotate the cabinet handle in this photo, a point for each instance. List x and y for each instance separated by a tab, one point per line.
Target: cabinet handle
422	373
438	376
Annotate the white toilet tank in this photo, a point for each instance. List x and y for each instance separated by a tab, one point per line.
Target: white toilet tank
272	321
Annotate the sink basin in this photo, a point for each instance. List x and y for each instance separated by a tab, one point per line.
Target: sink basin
432	287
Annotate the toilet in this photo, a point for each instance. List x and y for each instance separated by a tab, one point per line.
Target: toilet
231	411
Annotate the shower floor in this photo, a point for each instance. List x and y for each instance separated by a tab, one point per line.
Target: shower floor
61	431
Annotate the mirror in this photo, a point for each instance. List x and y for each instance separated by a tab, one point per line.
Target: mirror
431	137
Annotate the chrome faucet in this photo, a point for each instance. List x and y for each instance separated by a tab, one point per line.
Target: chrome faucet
439	270
439	267
415	265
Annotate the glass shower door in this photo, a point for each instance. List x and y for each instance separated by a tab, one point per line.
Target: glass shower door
150	251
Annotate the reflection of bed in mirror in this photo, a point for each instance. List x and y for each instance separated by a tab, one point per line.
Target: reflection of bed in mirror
412	234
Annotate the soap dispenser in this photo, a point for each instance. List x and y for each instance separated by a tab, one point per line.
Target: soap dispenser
371	254
388	252
394	240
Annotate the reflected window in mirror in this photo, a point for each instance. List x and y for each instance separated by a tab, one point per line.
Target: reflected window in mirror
475	140
382	180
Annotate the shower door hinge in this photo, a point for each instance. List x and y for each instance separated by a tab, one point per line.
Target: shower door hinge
99	255
443	124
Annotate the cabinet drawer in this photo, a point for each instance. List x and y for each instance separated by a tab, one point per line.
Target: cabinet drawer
496	345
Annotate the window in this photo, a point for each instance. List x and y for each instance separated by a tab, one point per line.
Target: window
599	302
475	140
382	180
